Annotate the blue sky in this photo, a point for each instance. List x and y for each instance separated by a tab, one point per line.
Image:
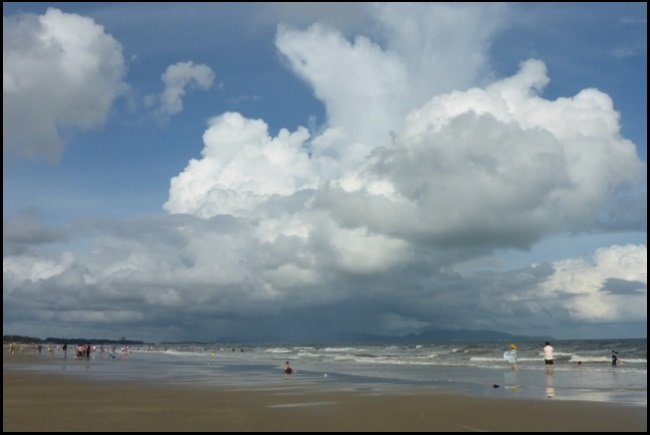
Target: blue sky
339	201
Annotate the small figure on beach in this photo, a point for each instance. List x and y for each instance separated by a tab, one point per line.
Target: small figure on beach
287	368
614	358
511	356
548	357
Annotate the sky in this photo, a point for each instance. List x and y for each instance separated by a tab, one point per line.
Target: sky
276	172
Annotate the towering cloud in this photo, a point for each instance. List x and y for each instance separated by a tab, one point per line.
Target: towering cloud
367	90
498	167
397	189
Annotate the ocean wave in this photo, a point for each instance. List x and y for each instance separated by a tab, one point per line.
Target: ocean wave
633	360
278	350
344	349
307	354
174	352
384	360
606	359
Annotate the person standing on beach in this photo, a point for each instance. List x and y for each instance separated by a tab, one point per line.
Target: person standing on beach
511	356
614	358
548	357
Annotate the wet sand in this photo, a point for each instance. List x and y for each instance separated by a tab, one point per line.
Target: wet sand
35	402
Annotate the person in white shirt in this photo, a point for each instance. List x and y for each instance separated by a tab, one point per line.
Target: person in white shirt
548	357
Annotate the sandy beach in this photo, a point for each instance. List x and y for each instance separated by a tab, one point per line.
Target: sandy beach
36	402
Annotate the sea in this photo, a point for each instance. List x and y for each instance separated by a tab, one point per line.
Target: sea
582	371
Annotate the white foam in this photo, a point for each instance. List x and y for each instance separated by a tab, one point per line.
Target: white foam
344	349
307	354
278	350
606	359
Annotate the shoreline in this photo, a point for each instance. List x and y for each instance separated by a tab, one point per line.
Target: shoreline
204	370
48	402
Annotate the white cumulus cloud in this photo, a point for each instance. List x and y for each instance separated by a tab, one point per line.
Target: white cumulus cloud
368	89
585	283
364	88
177	78
500	164
242	167
28	268
60	71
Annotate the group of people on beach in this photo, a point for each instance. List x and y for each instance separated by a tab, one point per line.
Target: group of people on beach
511	357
